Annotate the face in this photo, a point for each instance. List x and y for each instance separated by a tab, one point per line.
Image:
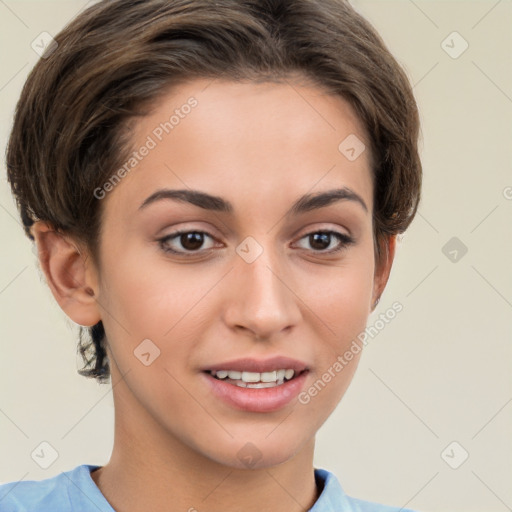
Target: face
243	264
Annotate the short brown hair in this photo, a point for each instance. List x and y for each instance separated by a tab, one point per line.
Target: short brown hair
71	123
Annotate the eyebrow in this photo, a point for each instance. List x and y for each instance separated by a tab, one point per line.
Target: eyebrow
304	204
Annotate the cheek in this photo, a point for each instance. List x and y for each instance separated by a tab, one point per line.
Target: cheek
152	295
159	301
341	295
341	305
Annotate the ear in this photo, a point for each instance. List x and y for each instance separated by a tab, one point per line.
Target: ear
383	268
69	273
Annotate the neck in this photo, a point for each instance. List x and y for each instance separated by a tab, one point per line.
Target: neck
151	469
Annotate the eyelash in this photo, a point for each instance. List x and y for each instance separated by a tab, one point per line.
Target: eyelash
345	241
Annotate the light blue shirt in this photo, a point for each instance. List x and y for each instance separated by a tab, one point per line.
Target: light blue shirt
75	490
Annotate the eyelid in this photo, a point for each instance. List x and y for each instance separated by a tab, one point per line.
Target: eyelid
322	227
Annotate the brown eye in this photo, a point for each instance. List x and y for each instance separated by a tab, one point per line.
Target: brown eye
320	241
190	241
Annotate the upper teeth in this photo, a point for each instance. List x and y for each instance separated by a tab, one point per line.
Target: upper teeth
273	376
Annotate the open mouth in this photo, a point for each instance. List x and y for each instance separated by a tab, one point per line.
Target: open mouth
255	380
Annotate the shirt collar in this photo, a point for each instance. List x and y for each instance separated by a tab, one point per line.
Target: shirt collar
332	497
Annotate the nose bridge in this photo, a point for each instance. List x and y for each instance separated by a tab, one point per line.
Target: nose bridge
262	301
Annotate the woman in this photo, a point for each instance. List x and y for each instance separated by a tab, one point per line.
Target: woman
215	190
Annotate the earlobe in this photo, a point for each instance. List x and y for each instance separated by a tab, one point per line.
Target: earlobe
69	274
383	268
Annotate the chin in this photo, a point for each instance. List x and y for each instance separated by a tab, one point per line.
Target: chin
256	452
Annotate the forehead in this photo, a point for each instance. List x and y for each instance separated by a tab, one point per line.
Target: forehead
241	139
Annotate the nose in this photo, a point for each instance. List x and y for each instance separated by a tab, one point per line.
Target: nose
262	301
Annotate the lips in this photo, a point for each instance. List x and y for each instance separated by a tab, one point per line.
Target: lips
259	365
234	382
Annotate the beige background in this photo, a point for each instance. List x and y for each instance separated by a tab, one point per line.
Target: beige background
438	373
